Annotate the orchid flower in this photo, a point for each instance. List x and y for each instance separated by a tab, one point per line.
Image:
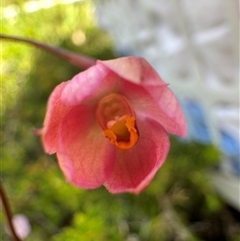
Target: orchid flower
109	125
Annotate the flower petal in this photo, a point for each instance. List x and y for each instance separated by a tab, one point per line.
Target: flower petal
168	103
134	69
91	84
136	167
158	103
85	156
55	112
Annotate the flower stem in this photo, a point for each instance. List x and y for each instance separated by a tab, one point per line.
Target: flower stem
6	208
78	60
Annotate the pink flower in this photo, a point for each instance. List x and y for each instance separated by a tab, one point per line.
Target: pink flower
109	125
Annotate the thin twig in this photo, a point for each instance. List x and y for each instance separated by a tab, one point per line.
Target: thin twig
78	60
8	214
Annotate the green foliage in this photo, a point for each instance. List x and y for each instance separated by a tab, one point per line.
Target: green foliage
178	200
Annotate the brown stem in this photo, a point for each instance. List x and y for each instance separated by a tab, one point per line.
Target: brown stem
78	60
8	214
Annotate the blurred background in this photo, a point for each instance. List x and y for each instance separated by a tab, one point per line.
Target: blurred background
194	47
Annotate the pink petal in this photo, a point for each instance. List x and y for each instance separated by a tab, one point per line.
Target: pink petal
134	69
55	112
139	71
91	84
168	103
136	167
160	105
85	156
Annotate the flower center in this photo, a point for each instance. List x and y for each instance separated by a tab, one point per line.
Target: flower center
117	119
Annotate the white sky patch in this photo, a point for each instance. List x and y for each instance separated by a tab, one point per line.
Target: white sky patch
32	6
